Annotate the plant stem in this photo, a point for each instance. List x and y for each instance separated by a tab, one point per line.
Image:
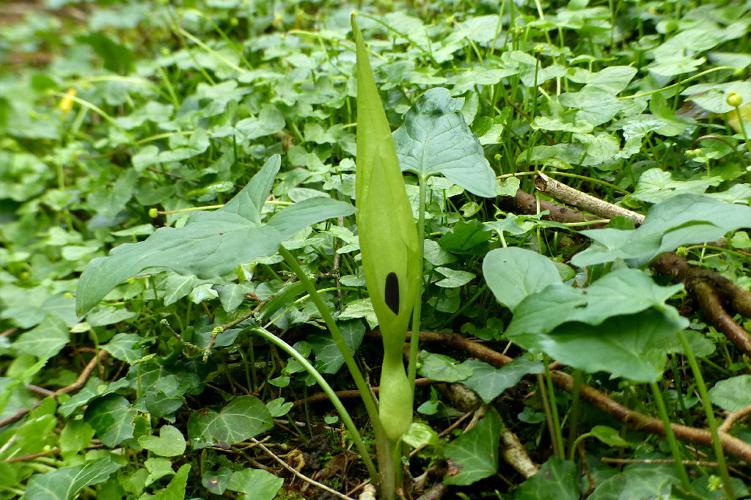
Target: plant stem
674	449
707	404
387	479
573	423
414	339
548	415
335	401
336	334
554	413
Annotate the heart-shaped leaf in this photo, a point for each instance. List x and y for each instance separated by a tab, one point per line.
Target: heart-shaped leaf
241	419
514	273
435	139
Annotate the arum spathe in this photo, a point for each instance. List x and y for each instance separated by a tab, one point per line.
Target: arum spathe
388	242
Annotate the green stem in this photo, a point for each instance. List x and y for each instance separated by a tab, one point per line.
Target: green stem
416	312
575	410
554	413
343	414
711	421
548	415
672	441
387	479
336	334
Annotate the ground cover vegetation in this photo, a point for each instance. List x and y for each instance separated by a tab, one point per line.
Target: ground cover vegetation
191	291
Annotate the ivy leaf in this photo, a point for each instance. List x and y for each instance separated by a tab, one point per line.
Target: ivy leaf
169	443
175	490
638	482
442	368
489	382
556	480
67	482
257	484
475	453
45	340
436	140
113	419
241	419
125	347
514	273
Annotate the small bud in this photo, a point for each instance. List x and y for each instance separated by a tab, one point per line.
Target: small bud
66	103
734	100
497	157
234	22
153	213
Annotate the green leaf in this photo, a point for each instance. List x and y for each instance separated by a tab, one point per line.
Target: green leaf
94	388
420	435
656	185
67	482
442	368
210	244
175	490
490	382
241	419
125	347
637	483
514	273
328	357
256	484
115	57
621	292
732	394
306	213
113	419
436	140
169	443
45	340
250	200
454	278
475	453
556	480
609	436
634	346
680	220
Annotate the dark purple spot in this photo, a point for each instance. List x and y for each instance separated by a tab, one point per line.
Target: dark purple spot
392	292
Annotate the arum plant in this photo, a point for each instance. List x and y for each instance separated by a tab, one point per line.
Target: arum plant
388	243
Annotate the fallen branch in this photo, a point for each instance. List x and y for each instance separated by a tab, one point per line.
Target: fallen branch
734	417
526	203
678	268
515	454
669	264
571	196
712	308
637	420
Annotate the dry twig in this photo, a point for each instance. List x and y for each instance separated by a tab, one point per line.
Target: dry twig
297	473
571	196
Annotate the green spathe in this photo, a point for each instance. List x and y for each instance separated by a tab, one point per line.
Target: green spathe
388	242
